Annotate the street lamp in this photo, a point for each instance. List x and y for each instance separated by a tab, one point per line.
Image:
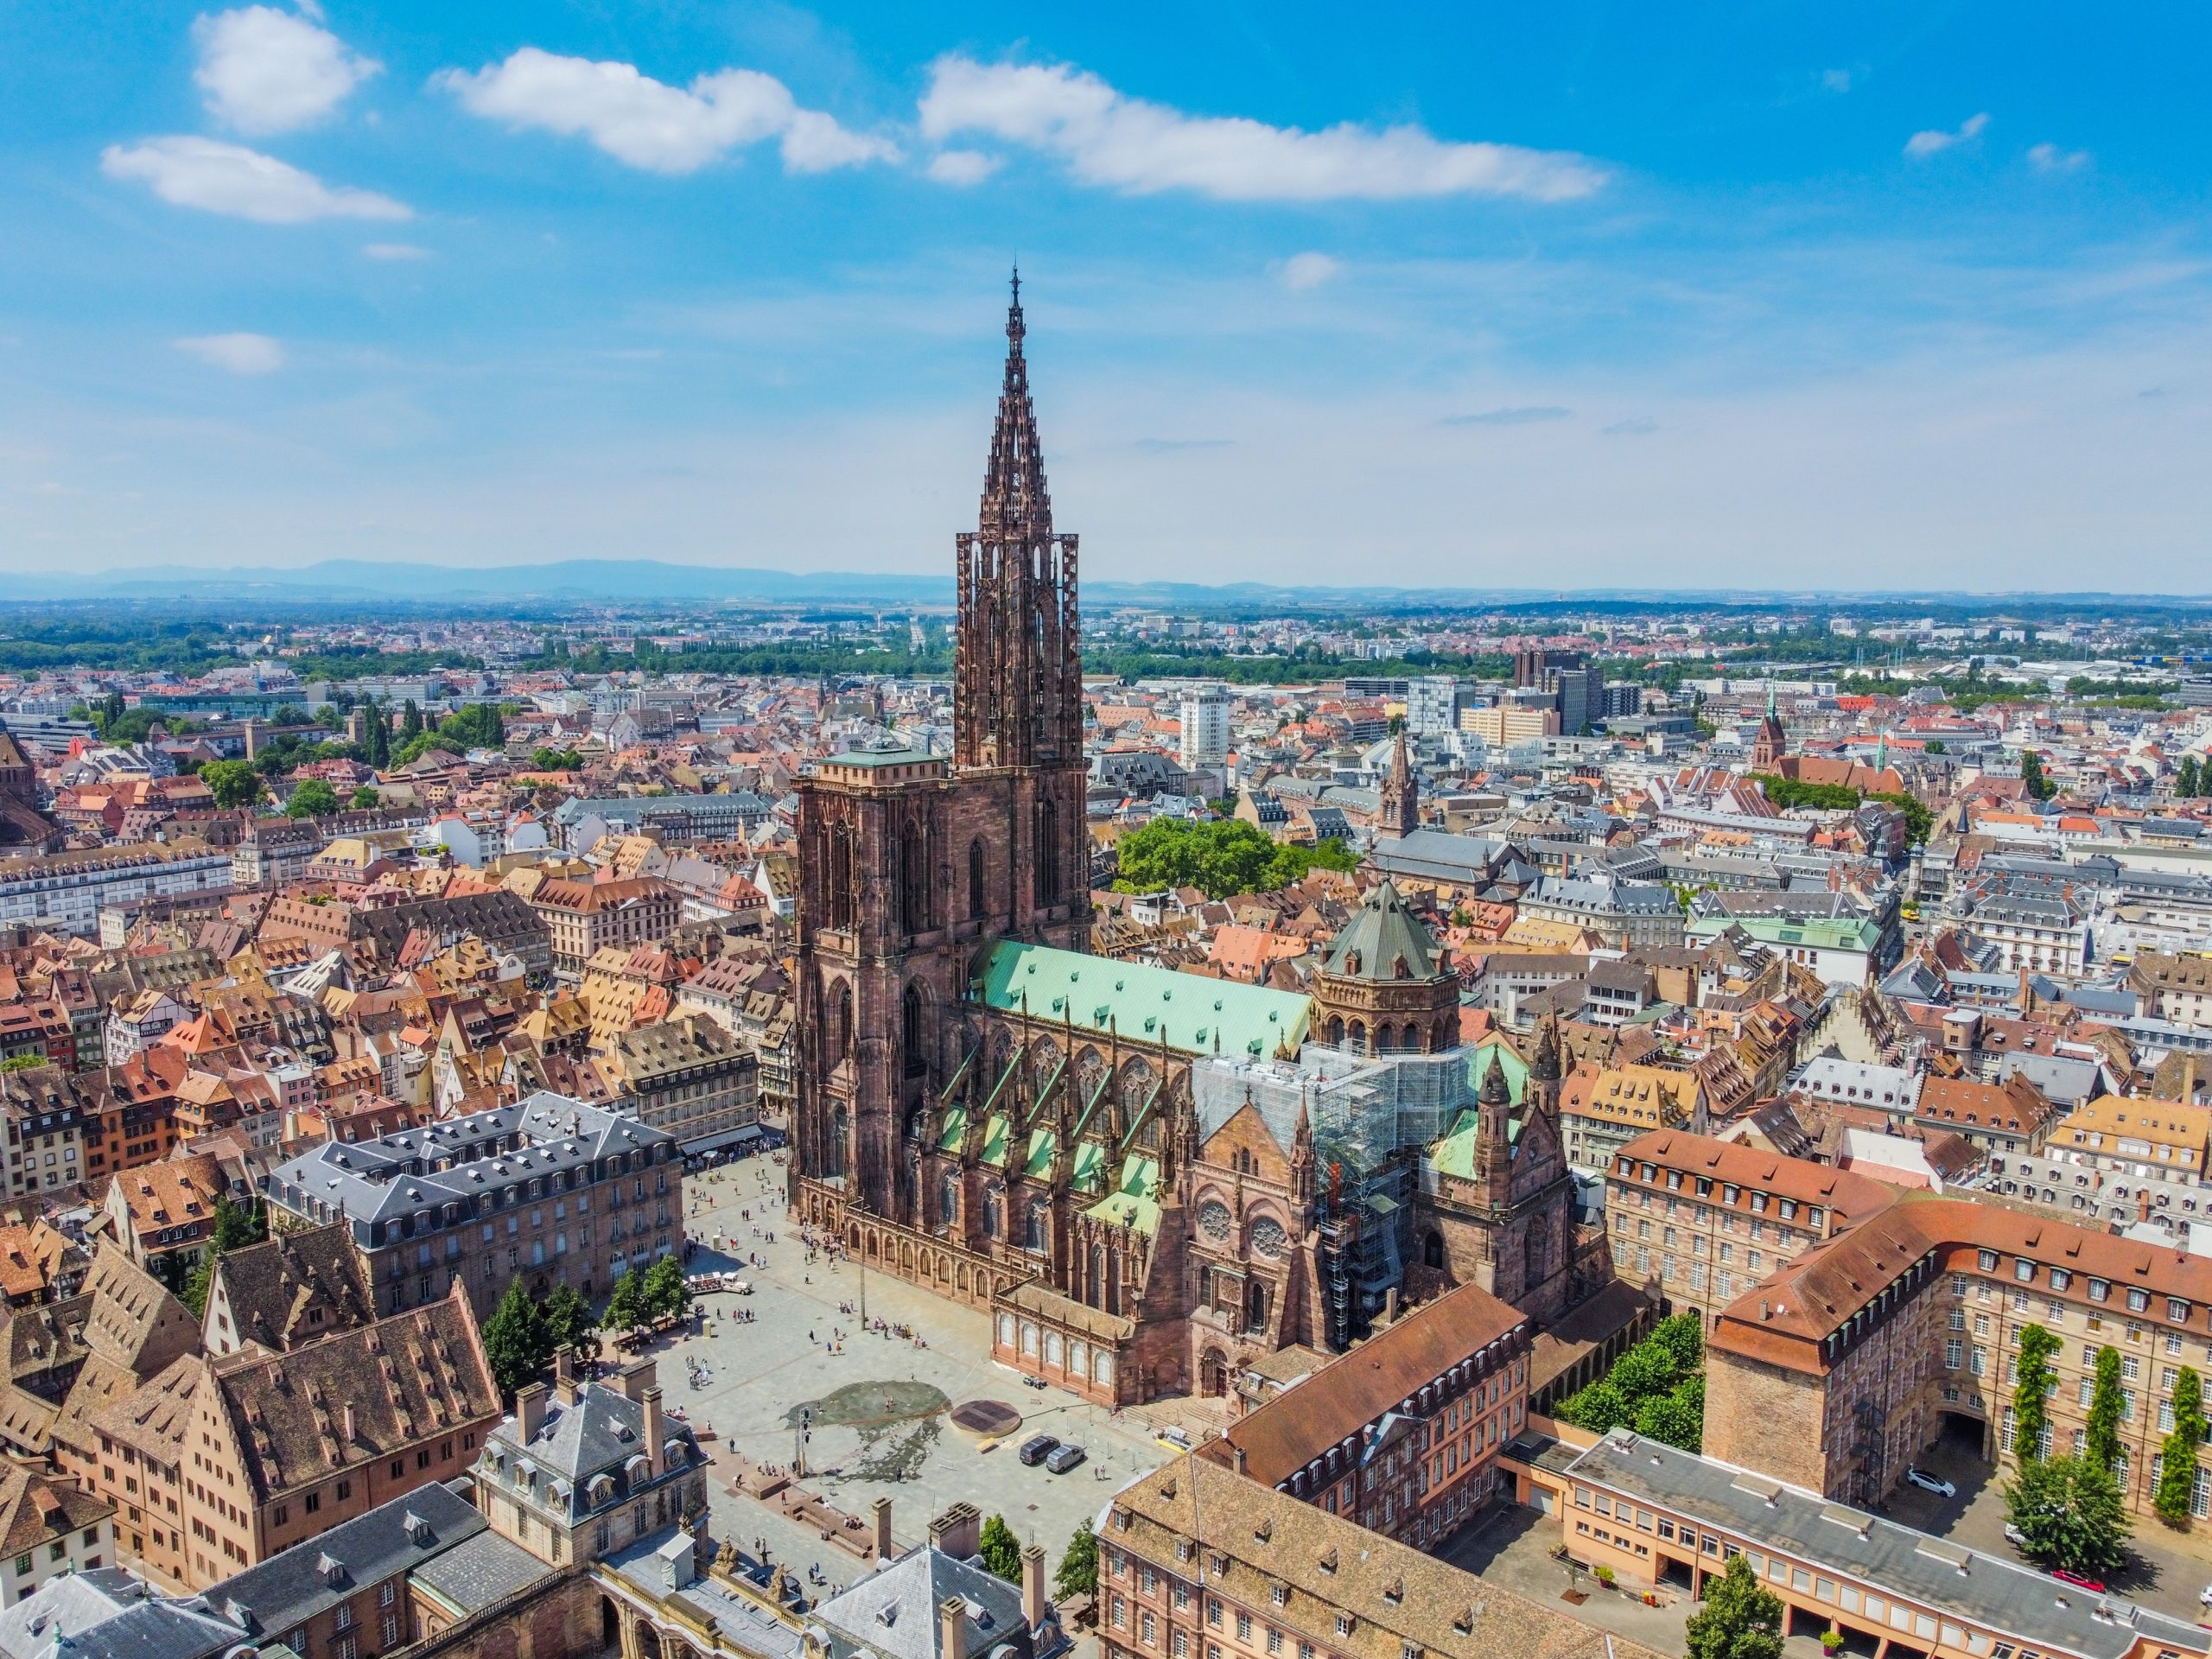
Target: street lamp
859	1207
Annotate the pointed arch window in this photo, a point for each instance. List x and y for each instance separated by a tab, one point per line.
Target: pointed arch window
977	905
913	1035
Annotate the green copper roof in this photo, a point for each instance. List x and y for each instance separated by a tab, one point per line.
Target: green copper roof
1455	1153
1382	934
955	1129
994	1141
1147	1005
1516	1068
1040	1154
1089	1166
1135	1200
1813	932
900	756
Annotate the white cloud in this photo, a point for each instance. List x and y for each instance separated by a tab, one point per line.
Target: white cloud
1305	270
961	166
2050	158
238	354
220	178
1934	141
394	250
1836	80
267	70
1108	139
659	128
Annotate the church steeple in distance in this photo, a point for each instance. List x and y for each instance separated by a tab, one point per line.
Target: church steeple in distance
1018	684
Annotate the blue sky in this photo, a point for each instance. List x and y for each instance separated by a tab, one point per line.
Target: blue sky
1563	295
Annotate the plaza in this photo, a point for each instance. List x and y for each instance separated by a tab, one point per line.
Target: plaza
878	1406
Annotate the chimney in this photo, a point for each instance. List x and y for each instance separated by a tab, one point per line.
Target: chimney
882	1515
1390	1305
958	1532
952	1629
349	1440
1236	1455
637	1378
653	1427
530	1411
564	1377
1034	1606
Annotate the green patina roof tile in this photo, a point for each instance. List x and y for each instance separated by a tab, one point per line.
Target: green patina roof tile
1144	1003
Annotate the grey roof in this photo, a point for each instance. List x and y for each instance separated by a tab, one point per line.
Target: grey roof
743	1623
294	1585
480	1571
113	1614
1605	898
1434	855
603	1433
893	1611
1383	934
397	1175
2002	1595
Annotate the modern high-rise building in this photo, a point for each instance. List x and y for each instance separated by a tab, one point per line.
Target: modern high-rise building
1205	728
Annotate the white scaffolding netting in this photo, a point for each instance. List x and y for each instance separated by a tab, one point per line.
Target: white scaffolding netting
1363	1107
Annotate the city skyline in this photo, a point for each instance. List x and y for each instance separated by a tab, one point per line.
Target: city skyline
1573	303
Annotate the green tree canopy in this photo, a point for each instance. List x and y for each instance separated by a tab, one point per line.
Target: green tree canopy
1656	1387
233	783
569	1322
626	1303
365	797
551	759
1002	1550
2039	788
1741	1618
1079	1570
662	1290
313	798
516	1340
2070	1512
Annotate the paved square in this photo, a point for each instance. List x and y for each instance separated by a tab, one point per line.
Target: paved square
878	1402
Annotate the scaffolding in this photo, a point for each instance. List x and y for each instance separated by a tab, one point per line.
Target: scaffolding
1364	1109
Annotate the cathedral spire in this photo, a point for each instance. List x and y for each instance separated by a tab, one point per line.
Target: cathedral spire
1399	814
1018	691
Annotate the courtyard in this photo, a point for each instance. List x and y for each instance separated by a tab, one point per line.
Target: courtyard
875	1409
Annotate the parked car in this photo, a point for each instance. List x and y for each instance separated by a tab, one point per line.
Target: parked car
2080	1579
1928	1482
1037	1448
2204	1597
1064	1458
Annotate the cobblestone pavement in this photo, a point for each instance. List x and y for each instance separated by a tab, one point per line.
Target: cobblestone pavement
877	1403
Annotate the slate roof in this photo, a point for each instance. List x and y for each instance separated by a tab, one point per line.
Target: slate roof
110	1613
893	1611
602	1433
480	1571
294	1585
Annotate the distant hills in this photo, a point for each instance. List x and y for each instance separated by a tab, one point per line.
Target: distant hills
652	582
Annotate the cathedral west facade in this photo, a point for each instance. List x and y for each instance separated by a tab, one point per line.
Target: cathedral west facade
988	1110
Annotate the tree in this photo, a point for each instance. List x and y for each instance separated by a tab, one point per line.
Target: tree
1934	745
626	1303
552	759
570	1324
1078	1571
2039	788
2100	1442
313	798
1675	1418
1002	1550
516	1340
365	797
2176	1497
1741	1618
410	721
663	1289
233	783
379	747
2185	785
1656	1388
2069	1511
2031	1392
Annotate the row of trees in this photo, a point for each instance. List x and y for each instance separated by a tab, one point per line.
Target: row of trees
1788	792
2195	781
1219	857
523	1334
1656	1388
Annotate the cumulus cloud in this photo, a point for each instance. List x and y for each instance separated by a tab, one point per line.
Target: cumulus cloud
235	353
2050	158
1525	415
961	166
265	71
220	178
1128	143
1304	271
394	250
1934	141
655	127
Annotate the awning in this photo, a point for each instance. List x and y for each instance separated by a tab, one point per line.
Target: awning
727	1138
